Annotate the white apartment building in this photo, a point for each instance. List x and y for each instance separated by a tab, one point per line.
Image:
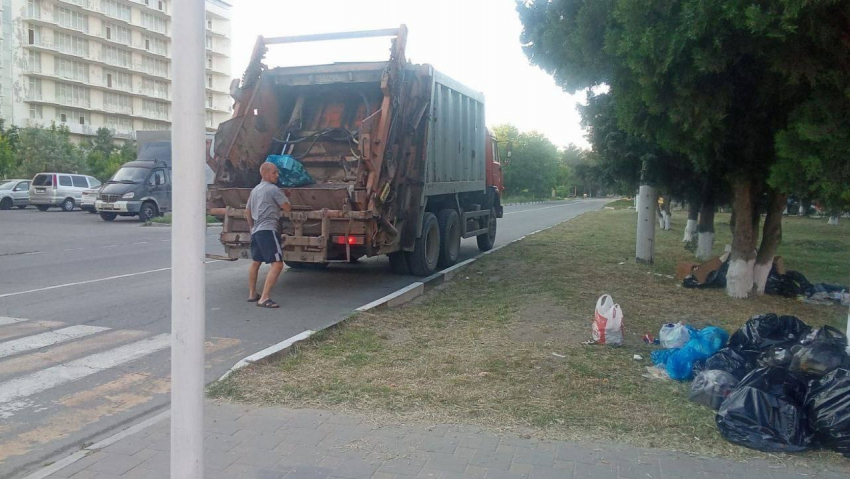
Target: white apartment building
93	63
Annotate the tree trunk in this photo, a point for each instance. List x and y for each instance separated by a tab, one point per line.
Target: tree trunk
770	239
668	214
739	279
833	220
647	206
691	227
705	230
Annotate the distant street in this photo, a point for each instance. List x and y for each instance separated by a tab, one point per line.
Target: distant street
84	320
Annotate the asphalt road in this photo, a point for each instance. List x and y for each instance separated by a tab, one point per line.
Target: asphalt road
85	317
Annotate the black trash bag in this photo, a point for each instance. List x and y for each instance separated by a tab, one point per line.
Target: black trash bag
764	412
730	361
789	285
765	331
823	350
827	407
712	387
776	357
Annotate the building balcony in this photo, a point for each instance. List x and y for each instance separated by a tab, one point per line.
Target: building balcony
142	116
92	7
218	33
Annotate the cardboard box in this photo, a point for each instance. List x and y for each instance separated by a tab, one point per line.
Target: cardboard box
702	271
684	268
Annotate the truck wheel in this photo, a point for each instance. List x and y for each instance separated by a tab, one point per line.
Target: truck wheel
449	237
108	216
147	211
68	205
42	207
398	263
426	251
486	240
304	265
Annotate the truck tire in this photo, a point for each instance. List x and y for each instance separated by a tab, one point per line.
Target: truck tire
398	263
147	211
449	223
42	207
108	216
426	251
486	240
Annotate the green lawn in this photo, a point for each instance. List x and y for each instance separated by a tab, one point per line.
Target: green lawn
501	345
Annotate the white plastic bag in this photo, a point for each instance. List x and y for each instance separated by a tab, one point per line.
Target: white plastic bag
674	336
608	322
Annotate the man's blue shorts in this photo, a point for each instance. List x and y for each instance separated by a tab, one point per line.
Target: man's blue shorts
265	247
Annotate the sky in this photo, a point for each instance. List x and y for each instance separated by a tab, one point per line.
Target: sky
476	42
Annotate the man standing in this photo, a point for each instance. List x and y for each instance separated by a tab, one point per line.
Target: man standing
262	213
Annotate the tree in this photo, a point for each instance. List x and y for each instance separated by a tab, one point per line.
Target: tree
714	80
533	166
103	158
48	149
7	158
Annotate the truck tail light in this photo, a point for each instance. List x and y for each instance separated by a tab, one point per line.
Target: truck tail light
351	240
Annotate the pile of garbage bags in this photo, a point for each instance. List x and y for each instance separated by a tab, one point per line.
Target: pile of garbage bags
700	345
778	385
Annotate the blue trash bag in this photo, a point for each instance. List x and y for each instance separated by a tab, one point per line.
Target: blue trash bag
292	172
702	345
660	356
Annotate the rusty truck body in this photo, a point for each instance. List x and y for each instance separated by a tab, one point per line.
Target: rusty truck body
402	161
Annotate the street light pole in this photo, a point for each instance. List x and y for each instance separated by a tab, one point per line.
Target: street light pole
187	240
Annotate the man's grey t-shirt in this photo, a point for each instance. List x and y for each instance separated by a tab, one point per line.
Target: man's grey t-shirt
264	204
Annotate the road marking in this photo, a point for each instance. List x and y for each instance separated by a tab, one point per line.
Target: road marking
98	280
49	378
4	320
33	252
111	246
50	338
73	249
539	209
141	242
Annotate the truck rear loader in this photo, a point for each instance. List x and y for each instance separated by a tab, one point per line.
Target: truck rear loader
402	162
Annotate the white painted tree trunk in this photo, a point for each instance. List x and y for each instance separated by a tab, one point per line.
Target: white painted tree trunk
668	221
833	220
705	244
690	231
760	274
739	279
647	206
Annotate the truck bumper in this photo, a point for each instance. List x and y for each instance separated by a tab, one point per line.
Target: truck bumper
118	206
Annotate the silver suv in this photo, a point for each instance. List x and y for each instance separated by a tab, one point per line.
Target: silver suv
59	189
14	193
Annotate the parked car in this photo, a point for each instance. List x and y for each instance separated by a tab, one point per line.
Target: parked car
141	187
14	193
89	199
59	189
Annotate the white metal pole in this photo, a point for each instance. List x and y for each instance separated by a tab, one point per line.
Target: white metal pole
187	240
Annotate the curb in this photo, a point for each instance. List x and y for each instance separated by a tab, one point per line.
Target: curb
397	298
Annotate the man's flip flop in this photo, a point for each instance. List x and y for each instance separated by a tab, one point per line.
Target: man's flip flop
254	299
268	304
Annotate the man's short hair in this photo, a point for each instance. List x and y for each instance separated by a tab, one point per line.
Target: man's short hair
265	167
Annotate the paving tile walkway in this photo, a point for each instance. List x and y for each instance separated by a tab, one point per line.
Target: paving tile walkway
273	443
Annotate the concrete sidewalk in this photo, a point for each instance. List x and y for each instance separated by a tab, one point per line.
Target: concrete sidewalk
271	443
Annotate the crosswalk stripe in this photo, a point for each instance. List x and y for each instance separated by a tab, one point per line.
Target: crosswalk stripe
22	387
49	338
26	328
4	320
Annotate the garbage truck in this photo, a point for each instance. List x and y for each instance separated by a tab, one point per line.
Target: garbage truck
400	159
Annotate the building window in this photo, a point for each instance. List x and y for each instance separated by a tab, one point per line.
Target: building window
153	22
34	62
71	70
209	119
117	33
71	19
209	62
73	95
72	44
154	88
116	10
209	101
118	103
36	112
116	56
34	35
65	115
33	8
209	81
154	66
161	6
117	80
209	42
209	23
34	92
118	123
156	109
155	125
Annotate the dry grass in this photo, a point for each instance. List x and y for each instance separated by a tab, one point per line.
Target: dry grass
480	349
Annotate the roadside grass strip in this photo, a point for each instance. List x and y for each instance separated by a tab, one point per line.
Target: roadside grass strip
500	345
